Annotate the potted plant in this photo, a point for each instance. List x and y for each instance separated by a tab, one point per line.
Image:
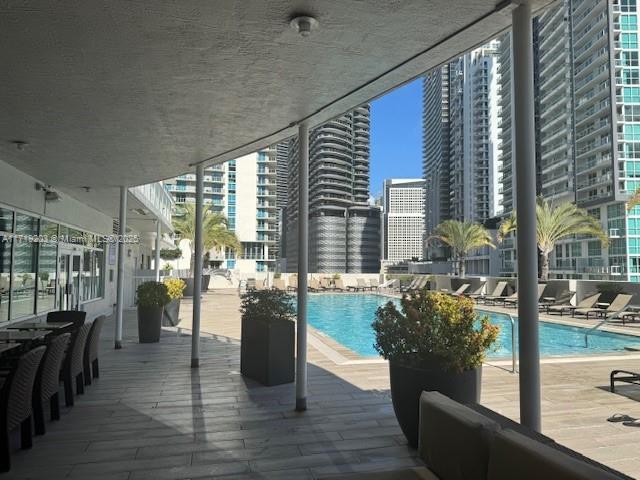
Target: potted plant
268	337
175	289
152	298
437	342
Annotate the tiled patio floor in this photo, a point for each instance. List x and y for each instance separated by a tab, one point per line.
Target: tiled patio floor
151	416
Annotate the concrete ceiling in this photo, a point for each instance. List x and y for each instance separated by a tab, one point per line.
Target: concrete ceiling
111	92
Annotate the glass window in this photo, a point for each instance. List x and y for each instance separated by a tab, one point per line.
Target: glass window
5	277
6	220
98	283
47	262
23	284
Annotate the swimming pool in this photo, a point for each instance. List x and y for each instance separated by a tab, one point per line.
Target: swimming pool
347	319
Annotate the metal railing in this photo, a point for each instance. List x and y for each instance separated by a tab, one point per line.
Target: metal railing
591	330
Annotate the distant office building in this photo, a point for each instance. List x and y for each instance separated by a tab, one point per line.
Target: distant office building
461	153
245	191
344	231
403	227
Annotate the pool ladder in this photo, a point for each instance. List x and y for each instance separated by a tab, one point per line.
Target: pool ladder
591	330
514	359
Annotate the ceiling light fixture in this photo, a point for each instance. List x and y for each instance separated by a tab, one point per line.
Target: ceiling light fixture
304	24
19	144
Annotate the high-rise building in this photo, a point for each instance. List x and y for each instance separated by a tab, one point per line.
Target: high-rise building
435	152
245	191
461	146
403	229
344	231
588	128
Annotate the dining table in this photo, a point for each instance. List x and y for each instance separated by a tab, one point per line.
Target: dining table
35	325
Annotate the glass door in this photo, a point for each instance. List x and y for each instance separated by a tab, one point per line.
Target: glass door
69	271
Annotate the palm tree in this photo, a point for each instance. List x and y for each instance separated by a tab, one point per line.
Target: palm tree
634	200
215	231
462	237
553	223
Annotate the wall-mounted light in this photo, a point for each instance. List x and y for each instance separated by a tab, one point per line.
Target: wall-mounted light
50	195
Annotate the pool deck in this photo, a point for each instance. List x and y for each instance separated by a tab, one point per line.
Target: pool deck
152	417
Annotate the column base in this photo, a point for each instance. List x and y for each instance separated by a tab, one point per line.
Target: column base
195	363
118	345
301	404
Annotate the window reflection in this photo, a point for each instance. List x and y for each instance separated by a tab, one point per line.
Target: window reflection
47	262
23	286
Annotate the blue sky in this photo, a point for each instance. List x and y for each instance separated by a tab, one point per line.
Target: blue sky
396	135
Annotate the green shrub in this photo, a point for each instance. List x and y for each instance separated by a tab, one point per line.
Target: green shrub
267	306
152	294
434	327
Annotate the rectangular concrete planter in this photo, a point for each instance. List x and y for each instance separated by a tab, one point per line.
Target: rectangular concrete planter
267	351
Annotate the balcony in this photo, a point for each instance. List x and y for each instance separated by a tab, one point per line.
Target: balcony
156	199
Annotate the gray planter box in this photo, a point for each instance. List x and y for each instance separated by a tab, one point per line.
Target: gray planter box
171	316
267	351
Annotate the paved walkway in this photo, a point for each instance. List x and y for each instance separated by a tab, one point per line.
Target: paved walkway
151	416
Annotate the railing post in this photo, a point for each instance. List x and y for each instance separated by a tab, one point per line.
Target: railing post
303	267
122	230
197	269
525	171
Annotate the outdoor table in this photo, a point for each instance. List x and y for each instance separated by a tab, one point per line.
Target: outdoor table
31	325
23	336
8	347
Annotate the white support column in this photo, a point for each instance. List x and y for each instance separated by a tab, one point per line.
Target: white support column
122	230
303	267
197	269
157	252
525	171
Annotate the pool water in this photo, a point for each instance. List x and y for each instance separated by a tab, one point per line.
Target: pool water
347	319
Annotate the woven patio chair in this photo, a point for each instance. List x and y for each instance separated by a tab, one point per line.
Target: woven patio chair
48	382
73	365
16	393
91	364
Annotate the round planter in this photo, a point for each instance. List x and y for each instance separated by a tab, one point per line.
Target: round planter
171	316
149	324
407	384
188	289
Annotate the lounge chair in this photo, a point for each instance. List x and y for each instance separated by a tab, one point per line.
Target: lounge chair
314	285
278	284
617	305
411	286
513	299
587	302
360	286
388	284
502	299
477	293
338	285
497	292
420	285
251	284
461	289
325	284
624	376
293	284
373	284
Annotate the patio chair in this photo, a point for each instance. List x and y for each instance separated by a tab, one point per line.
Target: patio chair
91	363
461	289
411	286
587	302
293	284
477	293
16	392
497	292
278	284
325	284
76	316
48	382
360	285
251	284
338	285
373	284
617	305
73	365
512	300
624	376
314	285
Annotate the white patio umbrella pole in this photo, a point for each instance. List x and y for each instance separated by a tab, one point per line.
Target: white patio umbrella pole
525	171
122	230
303	267
157	257
197	269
